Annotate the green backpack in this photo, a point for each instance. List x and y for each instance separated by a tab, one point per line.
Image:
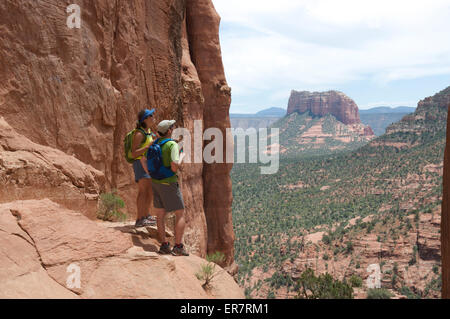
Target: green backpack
128	143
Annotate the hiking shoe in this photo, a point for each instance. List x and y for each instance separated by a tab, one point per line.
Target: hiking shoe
146	221
165	249
149	221
139	222
179	250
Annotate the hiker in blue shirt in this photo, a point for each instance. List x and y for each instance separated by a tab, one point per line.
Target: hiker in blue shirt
164	160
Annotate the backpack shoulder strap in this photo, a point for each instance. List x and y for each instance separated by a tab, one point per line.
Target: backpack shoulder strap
164	141
146	134
143	131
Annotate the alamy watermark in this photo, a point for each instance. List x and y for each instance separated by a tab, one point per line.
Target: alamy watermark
233	144
73	280
74	19
374	279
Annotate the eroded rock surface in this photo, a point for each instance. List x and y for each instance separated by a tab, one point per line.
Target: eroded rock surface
43	243
32	171
321	103
445	222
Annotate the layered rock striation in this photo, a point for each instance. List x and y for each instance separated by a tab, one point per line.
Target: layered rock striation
445	218
335	103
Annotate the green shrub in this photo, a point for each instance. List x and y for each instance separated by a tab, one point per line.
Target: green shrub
395	268
207	271
405	291
206	274
412	261
435	269
356	281
217	258
394	279
379	293
349	247
110	206
322	287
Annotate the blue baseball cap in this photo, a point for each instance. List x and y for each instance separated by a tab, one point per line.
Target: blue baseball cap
147	113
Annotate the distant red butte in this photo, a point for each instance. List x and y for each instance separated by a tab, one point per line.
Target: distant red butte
321	103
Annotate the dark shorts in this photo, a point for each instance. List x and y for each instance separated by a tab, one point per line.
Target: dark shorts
139	172
167	196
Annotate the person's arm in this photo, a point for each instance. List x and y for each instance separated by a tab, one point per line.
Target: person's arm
175	165
137	140
176	158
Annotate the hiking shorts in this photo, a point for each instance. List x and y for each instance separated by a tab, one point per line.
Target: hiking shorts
167	196
139	172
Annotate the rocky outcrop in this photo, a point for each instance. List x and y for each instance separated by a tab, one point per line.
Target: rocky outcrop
203	35
368	131
430	116
32	171
445	219
45	246
79	90
441	100
321	103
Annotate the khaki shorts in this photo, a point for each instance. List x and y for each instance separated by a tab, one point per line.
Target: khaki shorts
167	196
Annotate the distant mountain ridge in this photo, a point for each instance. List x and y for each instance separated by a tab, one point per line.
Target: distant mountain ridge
273	111
378	118
280	112
387	109
261	119
270	112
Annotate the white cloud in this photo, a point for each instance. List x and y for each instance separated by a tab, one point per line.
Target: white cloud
317	44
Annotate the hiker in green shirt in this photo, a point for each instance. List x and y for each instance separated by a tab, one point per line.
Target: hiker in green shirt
167	195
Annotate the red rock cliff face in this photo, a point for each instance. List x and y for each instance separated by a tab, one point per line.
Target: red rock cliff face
203	30
79	90
445	219
321	103
441	99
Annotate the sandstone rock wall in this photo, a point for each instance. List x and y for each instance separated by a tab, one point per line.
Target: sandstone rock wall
322	103
445	219
203	35
32	171
79	90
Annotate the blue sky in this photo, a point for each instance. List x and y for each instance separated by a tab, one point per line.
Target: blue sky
382	52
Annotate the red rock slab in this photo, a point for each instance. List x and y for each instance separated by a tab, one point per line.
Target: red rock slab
63	236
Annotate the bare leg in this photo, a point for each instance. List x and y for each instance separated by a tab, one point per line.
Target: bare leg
142	199
180	224
160	221
150	199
